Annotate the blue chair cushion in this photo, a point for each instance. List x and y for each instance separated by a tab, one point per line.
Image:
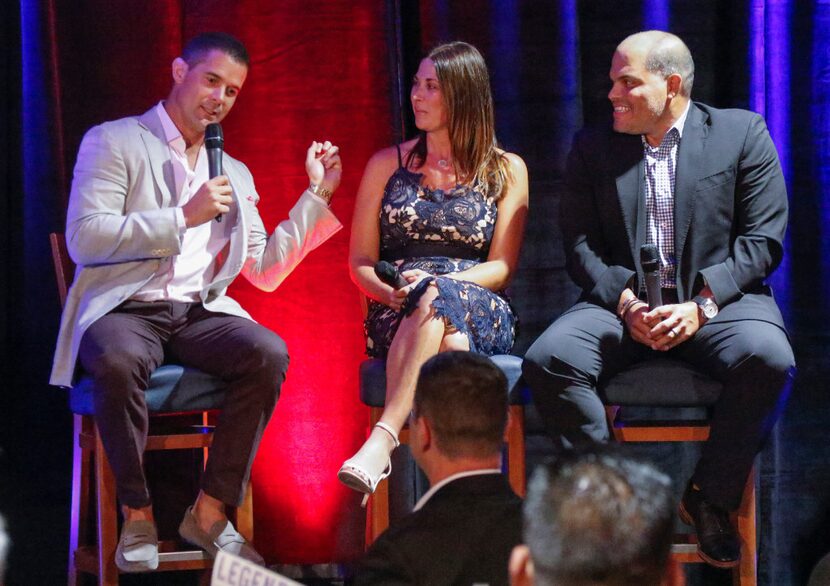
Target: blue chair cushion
661	382
373	380
173	388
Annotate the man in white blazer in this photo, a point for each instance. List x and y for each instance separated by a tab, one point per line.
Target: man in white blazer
157	244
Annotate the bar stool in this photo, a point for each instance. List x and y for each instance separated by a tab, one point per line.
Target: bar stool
667	400
176	393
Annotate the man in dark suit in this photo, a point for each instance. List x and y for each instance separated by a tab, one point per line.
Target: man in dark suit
464	527
597	517
705	187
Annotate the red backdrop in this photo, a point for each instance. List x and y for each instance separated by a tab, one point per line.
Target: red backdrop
319	71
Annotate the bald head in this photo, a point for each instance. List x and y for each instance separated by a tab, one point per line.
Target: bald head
664	54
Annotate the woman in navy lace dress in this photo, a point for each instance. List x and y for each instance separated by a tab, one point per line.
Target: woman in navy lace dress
448	209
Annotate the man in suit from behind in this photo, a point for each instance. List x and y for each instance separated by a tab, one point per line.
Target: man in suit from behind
463	529
154	262
597	517
704	187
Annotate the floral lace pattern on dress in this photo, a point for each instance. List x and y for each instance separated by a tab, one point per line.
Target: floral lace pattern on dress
462	220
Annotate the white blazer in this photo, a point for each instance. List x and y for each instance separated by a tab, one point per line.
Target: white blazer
121	224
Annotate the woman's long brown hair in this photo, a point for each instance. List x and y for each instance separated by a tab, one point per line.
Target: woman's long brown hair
465	85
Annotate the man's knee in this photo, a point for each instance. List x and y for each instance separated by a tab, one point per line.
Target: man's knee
553	353
766	356
267	356
117	375
272	355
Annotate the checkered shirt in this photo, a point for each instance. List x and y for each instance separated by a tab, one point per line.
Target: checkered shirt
660	167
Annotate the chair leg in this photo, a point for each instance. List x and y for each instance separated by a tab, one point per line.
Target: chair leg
245	515
516	471
378	512
79	511
107	517
377	517
745	574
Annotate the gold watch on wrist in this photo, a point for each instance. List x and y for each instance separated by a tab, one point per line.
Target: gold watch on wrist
320	191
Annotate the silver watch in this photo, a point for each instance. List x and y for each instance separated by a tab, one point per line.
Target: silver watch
707	306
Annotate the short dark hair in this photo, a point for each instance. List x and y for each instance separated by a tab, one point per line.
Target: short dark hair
199	46
598	516
464	397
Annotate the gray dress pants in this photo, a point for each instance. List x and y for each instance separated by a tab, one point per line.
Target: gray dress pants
122	349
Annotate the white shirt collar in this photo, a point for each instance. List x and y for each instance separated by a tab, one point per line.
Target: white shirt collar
448	479
680	123
172	134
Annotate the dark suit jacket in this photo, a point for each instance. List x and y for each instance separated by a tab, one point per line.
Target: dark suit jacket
730	212
463	535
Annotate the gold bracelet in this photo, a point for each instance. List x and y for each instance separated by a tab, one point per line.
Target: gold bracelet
320	191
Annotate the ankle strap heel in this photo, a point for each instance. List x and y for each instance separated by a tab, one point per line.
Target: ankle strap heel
388	429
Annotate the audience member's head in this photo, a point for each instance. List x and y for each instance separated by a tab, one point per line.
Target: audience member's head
820	576
460	409
596	518
4	549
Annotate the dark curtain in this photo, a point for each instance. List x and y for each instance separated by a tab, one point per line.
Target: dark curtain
549	64
340	69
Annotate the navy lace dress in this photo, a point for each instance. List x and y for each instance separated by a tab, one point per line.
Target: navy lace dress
440	232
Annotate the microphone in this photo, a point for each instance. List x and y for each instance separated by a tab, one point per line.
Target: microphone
650	261
388	273
214	144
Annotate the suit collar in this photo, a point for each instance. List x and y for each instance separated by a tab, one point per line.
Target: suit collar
455	478
627	159
689	162
474	483
158	154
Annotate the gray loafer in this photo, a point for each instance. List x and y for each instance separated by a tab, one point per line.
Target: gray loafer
222	536
138	547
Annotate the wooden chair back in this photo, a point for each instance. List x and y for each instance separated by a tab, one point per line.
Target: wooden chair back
64	267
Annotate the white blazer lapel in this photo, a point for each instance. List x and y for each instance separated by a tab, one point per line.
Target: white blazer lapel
236	224
158	154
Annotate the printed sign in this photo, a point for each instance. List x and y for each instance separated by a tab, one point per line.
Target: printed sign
232	570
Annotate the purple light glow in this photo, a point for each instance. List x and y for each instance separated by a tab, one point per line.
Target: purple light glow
770	96
656	15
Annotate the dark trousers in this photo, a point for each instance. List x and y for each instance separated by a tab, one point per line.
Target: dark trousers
752	358
122	349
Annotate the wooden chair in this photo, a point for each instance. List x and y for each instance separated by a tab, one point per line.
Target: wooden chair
373	394
643	404
175	393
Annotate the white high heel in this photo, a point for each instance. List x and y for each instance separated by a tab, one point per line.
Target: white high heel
354	474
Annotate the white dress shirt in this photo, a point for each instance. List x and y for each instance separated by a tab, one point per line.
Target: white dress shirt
182	277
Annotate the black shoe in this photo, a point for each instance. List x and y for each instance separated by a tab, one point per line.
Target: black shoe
717	542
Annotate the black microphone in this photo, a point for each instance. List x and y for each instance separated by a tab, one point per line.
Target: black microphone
214	144
650	261
388	273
